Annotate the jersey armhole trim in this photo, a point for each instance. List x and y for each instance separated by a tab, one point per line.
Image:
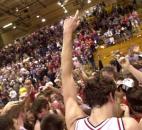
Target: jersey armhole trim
122	124
118	124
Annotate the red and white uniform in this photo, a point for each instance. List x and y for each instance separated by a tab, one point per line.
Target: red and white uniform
109	124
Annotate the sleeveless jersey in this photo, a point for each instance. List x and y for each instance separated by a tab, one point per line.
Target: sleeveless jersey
109	124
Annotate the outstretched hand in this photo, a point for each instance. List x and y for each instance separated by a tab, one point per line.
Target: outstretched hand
71	23
124	62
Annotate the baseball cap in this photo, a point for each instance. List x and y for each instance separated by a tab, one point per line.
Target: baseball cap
126	83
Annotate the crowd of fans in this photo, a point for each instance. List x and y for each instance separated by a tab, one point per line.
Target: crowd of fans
31	96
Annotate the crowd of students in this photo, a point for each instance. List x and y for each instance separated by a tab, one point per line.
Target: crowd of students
37	93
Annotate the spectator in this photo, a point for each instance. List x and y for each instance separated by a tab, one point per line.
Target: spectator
52	122
40	108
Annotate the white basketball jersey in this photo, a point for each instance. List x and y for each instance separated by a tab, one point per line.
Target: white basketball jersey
109	124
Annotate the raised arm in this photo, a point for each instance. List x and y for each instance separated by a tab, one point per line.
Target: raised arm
127	66
72	109
70	26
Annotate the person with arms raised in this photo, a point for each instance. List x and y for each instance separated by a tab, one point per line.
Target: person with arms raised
99	93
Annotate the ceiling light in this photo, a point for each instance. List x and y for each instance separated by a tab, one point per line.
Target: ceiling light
14	27
7	25
59	3
64	8
37	16
17	9
65	11
43	20
89	1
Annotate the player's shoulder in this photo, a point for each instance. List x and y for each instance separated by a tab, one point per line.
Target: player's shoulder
130	123
79	121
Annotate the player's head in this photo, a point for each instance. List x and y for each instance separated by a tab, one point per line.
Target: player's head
99	91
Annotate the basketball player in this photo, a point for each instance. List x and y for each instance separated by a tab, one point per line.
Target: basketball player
99	94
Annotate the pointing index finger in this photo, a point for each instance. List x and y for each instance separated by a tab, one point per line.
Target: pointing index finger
76	14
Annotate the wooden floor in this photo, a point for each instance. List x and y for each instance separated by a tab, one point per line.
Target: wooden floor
105	53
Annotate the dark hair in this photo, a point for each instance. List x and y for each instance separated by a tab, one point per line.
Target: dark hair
97	91
6	123
110	70
134	97
52	122
38	105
